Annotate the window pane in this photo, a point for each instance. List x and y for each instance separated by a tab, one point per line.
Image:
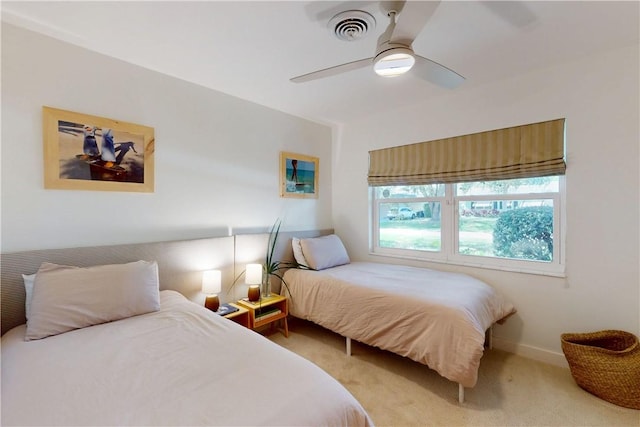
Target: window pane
546	184
408	191
410	226
515	229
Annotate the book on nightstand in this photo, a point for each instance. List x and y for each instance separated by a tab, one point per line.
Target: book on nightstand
267	314
226	309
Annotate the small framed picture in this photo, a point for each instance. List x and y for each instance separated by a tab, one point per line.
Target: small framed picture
83	152
298	176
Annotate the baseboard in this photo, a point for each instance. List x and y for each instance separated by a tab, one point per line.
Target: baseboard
531	352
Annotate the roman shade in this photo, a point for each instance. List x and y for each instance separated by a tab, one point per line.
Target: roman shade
525	151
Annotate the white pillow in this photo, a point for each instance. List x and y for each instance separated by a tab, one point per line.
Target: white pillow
66	298
297	251
28	289
324	252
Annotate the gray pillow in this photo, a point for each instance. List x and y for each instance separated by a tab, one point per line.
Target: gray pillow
29	280
66	298
297	251
324	252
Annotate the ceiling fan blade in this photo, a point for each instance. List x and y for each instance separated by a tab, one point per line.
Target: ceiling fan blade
515	13
332	71
435	73
412	19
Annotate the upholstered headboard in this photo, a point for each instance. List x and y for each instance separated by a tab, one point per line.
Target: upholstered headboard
180	265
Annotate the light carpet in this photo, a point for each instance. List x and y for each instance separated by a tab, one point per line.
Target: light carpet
511	390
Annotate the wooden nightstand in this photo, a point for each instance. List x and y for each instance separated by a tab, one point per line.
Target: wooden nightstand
241	316
267	311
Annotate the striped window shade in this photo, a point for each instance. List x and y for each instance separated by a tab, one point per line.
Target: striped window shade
525	151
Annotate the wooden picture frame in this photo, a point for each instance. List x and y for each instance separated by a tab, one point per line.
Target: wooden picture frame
298	176
84	152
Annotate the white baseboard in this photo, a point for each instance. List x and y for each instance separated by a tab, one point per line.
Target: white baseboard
531	352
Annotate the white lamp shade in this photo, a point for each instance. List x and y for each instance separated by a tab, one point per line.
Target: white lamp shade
212	282
254	274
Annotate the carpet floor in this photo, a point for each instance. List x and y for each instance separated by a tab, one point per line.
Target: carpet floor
511	390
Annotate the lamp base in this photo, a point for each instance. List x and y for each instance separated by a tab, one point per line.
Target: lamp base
212	302
253	293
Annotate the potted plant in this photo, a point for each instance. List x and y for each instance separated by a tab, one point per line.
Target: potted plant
272	267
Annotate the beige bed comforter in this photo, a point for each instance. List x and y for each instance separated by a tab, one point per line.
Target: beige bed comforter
182	365
433	317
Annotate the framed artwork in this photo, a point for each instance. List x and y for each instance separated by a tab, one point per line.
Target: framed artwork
298	176
83	152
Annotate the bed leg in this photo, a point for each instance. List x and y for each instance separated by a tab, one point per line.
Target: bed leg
460	393
348	346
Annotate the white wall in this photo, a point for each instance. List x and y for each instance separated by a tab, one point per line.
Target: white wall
599	97
216	158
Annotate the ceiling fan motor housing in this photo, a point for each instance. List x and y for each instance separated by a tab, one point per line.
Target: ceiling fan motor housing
393	59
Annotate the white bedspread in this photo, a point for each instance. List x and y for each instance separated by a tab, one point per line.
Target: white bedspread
182	365
433	317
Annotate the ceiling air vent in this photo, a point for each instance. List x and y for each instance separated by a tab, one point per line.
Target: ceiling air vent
352	25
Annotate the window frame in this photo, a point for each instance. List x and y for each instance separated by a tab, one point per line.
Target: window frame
449	227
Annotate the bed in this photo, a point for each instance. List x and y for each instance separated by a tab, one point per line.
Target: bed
435	318
157	359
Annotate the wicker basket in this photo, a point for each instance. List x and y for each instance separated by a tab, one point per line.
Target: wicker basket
606	364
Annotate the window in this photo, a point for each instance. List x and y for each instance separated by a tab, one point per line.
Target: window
511	224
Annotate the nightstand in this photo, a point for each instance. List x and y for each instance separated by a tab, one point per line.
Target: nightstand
267	311
241	316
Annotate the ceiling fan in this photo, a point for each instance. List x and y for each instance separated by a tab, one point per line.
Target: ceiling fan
394	54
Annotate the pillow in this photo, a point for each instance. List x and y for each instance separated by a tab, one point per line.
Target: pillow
66	298
297	251
324	252
28	289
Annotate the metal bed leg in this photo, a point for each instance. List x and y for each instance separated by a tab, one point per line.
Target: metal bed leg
348	346
460	393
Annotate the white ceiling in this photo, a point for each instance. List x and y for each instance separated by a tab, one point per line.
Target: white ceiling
252	49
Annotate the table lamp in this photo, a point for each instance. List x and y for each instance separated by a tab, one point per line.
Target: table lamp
212	285
253	278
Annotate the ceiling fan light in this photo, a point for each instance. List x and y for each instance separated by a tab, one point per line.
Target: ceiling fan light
394	62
